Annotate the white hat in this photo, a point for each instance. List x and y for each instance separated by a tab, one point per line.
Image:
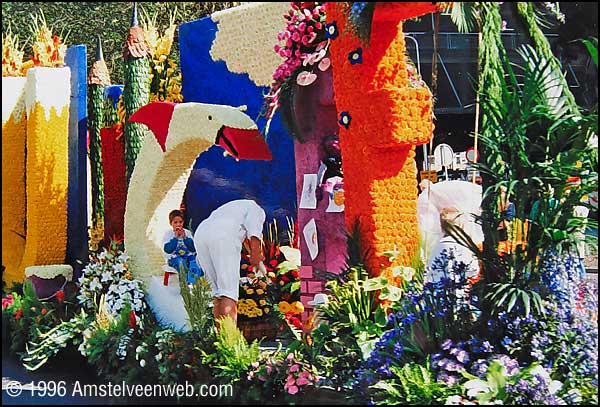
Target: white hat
319	299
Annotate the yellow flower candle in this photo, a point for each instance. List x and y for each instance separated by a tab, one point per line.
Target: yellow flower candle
47	103
14	135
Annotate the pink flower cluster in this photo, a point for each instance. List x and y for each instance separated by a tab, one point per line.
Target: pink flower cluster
304	23
7	301
294	373
297	376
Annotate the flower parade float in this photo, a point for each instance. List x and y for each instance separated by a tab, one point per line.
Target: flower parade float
382	117
517	336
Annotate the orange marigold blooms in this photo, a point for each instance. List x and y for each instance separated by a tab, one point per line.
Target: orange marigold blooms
389	117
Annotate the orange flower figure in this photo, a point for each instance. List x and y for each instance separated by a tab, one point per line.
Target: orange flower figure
383	117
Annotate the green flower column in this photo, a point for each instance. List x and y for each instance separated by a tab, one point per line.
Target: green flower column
98	79
136	90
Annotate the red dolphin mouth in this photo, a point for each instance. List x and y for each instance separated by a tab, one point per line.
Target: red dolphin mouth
245	144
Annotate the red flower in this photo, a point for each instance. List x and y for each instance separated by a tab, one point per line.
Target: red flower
60	296
44	311
296	322
285	278
132	322
273	263
18	314
295	273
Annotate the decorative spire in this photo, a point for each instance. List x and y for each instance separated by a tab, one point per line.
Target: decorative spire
99	73
136	45
99	54
134	16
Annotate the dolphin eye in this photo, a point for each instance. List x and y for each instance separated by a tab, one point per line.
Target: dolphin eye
209	117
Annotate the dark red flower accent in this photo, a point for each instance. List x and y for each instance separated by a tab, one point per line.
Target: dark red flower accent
132	321
60	296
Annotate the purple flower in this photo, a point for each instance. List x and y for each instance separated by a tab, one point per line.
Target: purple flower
463	356
446	344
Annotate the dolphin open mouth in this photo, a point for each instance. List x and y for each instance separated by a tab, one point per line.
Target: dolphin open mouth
245	144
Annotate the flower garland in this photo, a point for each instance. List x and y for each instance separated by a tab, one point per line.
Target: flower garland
108	275
375	97
306	53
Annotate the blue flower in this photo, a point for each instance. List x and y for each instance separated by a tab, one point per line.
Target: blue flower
345	119
331	30
113	92
355	57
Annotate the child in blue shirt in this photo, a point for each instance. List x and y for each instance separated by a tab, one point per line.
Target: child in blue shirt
178	245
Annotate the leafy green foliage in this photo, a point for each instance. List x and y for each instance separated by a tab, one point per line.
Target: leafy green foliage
196	300
233	355
412	384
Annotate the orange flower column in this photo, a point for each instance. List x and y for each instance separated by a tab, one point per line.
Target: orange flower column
382	119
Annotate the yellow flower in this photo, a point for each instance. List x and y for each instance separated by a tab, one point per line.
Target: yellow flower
262	302
284	307
249	291
297	307
267	310
260	291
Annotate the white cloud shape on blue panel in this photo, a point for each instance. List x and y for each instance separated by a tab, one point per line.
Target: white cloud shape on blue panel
245	39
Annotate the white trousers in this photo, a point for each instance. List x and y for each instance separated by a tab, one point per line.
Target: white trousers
219	254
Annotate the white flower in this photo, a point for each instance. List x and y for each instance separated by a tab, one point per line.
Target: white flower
554	386
158	357
454	400
95	284
102	255
142	363
476	386
106	276
540	371
123	258
118	268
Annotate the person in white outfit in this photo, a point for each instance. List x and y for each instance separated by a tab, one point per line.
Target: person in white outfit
449	259
219	240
